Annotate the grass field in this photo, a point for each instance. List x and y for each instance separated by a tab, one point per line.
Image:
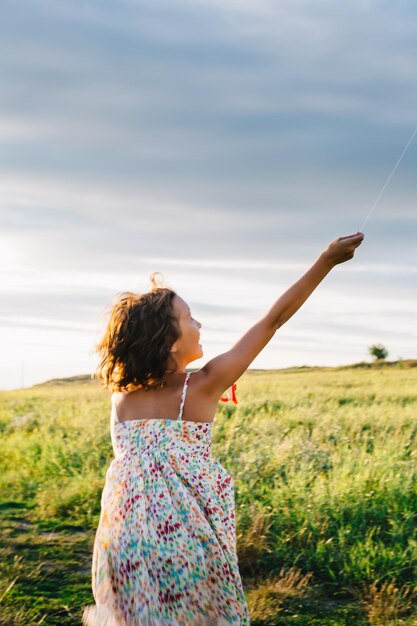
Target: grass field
324	462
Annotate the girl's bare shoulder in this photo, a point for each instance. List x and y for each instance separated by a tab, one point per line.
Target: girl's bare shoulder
200	403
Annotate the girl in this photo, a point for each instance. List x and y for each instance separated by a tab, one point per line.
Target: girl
165	547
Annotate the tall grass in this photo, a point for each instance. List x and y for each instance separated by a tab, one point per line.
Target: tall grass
325	473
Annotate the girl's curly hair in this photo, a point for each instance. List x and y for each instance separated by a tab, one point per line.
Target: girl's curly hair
135	348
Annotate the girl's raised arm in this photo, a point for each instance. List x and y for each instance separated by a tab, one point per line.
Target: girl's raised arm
225	369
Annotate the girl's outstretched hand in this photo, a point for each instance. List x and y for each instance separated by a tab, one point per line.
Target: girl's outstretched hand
342	249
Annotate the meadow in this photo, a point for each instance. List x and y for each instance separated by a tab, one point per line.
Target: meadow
324	462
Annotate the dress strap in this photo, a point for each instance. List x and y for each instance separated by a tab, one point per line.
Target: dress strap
184	391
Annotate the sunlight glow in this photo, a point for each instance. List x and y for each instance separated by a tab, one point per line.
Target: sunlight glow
9	252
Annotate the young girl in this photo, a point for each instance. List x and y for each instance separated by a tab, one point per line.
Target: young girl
165	547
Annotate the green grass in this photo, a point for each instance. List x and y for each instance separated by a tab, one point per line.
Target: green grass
325	474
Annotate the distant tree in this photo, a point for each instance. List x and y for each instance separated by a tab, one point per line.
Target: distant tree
378	351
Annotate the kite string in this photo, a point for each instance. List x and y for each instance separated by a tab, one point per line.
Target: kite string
388	179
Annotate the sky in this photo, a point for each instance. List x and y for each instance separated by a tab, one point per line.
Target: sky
223	144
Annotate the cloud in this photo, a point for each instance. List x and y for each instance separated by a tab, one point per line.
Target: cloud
222	143
216	106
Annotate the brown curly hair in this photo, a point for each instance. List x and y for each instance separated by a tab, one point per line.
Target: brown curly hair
135	348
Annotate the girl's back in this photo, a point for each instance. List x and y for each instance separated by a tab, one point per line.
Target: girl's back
164	402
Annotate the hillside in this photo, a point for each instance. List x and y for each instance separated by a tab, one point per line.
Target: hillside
324	467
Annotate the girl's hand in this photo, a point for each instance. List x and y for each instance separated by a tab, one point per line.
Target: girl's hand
342	249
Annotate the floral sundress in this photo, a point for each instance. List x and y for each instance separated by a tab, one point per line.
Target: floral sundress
165	547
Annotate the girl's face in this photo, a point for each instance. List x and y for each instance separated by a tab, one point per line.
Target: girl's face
188	346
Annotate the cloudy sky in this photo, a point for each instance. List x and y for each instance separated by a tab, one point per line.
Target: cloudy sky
222	143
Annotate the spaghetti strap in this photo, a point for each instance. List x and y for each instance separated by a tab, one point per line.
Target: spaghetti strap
184	392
